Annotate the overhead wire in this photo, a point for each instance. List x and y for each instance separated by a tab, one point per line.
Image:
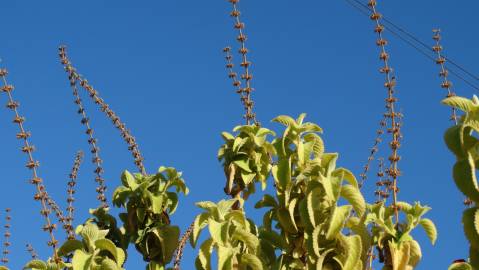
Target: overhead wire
365	10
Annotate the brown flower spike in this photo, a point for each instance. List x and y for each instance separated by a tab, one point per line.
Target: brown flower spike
441	61
125	132
6	243
394	122
32	164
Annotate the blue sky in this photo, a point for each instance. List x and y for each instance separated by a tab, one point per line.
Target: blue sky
160	66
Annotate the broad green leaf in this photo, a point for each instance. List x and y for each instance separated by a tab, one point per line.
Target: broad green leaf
243	164
355	198
468	221
285	120
354	251
199	223
250	240
430	229
465	178
168	236
285	221
252	261
218	231
415	253
81	260
282	173
399	255
337	221
266	201
128	180
109	264
227	136
225	258
460	266
36	264
108	245
463	104
69	246
204	255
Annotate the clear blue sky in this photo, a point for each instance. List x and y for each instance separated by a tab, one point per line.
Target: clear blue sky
160	66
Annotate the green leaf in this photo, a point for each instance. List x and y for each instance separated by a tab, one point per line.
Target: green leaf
36	264
355	198
168	236
227	136
430	229
250	240
218	231
353	249
225	258
128	180
282	173
266	201
69	246
109	264
415	253
460	266
252	261
200	222
204	255
468	220
337	221
81	260
285	220
463	104
156	202
243	164
108	245
465	177
285	120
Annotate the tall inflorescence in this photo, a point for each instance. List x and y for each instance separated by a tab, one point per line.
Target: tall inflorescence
394	127
6	242
234	77
383	184
441	61
93	93
58	212
373	151
32	252
71	191
446	83
32	164
92	141
181	246
246	76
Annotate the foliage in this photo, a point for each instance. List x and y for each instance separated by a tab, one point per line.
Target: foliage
149	201
246	159
232	236
93	252
462	142
397	248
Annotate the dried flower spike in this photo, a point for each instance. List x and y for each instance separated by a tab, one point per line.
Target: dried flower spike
246	76
32	252
27	148
374	150
441	61
234	77
95	150
6	242
181	246
71	191
394	127
125	133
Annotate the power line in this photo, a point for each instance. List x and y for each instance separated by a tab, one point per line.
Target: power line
362	8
